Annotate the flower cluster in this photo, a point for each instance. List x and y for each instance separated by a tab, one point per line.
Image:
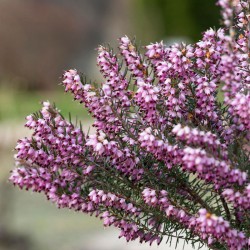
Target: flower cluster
169	157
239	199
214	228
200	138
162	201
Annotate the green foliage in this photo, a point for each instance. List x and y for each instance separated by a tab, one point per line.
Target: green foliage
168	18
16	104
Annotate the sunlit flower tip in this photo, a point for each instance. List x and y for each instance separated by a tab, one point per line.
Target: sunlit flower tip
73	72
125	40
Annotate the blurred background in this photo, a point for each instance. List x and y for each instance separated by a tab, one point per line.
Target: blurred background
40	39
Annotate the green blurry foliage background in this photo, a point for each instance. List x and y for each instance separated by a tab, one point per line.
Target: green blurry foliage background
160	19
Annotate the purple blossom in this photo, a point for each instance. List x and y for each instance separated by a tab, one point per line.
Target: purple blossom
216	228
167	155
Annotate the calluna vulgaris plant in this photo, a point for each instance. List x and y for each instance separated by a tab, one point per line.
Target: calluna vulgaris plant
168	157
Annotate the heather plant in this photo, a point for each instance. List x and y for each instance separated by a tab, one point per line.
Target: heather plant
169	159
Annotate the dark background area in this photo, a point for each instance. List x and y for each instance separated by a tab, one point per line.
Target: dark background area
39	39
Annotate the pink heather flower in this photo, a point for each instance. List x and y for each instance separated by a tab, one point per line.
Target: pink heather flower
72	80
149	197
160	200
240	107
133	60
97	142
200	138
211	169
146	97
168	157
155	51
147	92
238	199
210	225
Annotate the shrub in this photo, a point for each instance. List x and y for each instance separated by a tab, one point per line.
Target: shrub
168	158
